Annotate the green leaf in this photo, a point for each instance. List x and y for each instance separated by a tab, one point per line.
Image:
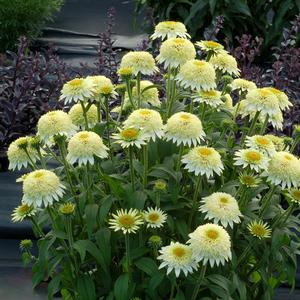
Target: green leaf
103	240
121	287
53	287
86	288
106	204
66	294
154	282
147	265
91	211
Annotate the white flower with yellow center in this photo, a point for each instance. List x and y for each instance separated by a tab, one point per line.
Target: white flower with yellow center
211	47
295	195
129	137
170	29
126	221
149	96
22	212
211	98
211	244
197	74
17	155
228	103
154	217
53	123
252	158
275	119
242	85
175	52
261	143
103	86
83	146
259	229
221	208
148	120
283	170
139	62
204	161
177	257
184	128
77	117
225	63
283	99
249	180
277	141
261	100
41	187
78	89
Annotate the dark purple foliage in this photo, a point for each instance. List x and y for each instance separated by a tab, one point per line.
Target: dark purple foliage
29	86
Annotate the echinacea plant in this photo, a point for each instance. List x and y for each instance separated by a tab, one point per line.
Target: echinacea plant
186	196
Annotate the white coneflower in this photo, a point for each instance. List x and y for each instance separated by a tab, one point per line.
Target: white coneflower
42	187
259	229
249	179
103	86
169	29
221	207
225	63
184	128
242	85
283	99
211	98
204	161
210	243
22	212
83	146
253	158
154	217
175	52
126	221
148	120
177	257
261	143
130	137
211	47
77	117
197	74
78	89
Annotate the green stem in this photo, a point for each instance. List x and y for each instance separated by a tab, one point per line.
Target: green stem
30	159
99	111
108	125
129	92
131	167
37	227
157	199
127	249
172	292
283	218
196	192
244	254
145	155
252	127
42	159
84	115
199	281
264	126
266	201
295	143
179	157
121	109
138	88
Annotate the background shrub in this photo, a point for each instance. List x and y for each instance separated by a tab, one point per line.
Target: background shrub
24	17
265	19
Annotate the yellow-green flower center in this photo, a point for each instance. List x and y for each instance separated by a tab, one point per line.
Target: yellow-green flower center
249	180
185	117
145	112
212	234
205	151
83	136
223	200
288	157
296	194
126	220
106	90
179	41
75	82
38	174
253	156
262	141
258	230
153	217
23	209
130	133
199	63
179	252
212	44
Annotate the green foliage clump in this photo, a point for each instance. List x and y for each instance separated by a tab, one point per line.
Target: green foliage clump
24	17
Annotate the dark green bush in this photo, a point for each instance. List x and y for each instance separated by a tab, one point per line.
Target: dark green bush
23	18
261	18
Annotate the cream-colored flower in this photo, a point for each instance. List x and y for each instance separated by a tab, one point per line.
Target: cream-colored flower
139	62
204	161
184	128
243	85
221	208
225	63
126	221
210	243
197	74
83	146
103	86
259	229
78	89
261	100
175	52
249	180
283	99
211	98
277	141
77	117
177	257
275	119
283	170
228	103
129	137
252	158
17	155
211	47
169	29
54	123
148	120
261	143
22	212
42	187
149	96
295	195
154	217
